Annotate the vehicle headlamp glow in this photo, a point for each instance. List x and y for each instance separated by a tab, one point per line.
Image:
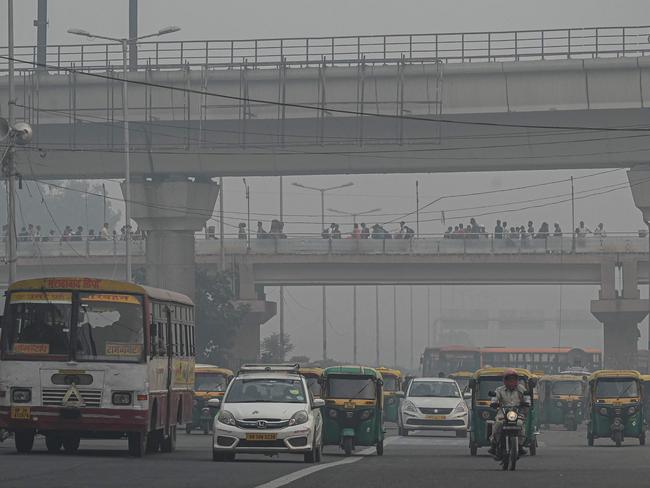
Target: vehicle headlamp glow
21	395
225	417
121	398
410	407
603	411
298	418
511	416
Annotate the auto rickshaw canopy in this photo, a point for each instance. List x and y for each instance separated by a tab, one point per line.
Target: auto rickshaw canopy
352	370
615	373
210	368
524	373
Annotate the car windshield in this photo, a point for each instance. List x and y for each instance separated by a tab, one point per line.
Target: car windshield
616	388
39	323
390	383
462	382
340	386
567	388
111	328
210	382
434	389
266	390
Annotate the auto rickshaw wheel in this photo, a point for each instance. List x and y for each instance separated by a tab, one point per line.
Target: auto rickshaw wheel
188	428
642	439
618	438
533	447
473	448
380	448
590	440
347	446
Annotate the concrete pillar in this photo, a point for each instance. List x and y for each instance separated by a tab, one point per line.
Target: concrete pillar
246	343
620	318
171	211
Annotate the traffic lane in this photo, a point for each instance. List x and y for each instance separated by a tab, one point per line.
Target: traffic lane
102	463
426	460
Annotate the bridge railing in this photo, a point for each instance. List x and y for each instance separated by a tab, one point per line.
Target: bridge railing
309	244
576	43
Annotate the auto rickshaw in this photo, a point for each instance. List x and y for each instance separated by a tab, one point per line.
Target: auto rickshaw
615	406
392	392
353	414
313	375
209	382
562	400
482	416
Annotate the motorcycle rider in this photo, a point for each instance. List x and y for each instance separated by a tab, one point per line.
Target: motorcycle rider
510	394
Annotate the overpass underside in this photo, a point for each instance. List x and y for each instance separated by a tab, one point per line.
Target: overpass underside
424	117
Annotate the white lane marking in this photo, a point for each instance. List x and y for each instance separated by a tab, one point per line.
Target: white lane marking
291	477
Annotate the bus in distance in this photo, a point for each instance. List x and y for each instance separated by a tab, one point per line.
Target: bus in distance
86	357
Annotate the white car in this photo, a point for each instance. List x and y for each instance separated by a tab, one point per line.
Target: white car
433	404
268	410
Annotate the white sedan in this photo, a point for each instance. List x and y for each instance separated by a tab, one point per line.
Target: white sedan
268	413
433	404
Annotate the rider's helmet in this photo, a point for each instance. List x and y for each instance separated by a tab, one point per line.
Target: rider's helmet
510	378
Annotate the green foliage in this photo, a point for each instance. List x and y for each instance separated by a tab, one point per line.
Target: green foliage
217	317
81	203
273	351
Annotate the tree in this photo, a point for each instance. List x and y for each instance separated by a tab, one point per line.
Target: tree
53	206
218	317
273	351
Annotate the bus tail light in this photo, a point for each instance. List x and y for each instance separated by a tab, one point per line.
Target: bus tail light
121	398
142	397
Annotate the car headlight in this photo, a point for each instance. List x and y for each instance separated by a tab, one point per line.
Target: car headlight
486	415
121	398
460	408
603	411
225	417
511	416
298	418
205	411
21	395
410	407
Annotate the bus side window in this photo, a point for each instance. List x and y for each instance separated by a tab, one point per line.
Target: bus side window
162	343
153	339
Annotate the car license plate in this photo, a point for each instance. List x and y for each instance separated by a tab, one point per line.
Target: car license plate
261	437
22	413
436	417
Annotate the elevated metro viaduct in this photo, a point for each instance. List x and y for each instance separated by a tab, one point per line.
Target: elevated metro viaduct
620	309
561	98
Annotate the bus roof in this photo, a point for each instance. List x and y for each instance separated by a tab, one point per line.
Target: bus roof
499	372
98	284
454	347
538	349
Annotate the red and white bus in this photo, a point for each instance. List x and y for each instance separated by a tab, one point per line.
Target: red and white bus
93	358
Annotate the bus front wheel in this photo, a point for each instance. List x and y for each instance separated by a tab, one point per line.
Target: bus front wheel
24	440
137	443
71	443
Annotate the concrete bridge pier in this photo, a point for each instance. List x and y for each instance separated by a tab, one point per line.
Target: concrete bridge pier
171	211
620	312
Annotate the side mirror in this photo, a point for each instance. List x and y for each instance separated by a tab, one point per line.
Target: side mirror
318	403
214	402
467	395
492	393
532	383
400	394
472	383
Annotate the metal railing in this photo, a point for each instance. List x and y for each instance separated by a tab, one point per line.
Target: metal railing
626	243
548	44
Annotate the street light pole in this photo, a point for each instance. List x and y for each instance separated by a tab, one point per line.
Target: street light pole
11	161
394	326
322	220
124	42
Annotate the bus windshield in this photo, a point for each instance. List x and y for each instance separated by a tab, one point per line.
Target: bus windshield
39	324
111	328
210	382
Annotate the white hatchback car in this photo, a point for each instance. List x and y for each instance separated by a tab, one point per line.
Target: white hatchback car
433	404
267	410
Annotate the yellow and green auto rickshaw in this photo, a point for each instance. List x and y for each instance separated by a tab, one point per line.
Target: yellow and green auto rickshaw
313	377
482	415
562	400
353	414
392	392
209	382
615	406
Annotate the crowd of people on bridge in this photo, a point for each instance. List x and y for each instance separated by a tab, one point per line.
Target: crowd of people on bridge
34	233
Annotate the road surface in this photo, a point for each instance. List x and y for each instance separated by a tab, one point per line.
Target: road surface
417	461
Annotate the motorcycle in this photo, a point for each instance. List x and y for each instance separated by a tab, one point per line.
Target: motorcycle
512	430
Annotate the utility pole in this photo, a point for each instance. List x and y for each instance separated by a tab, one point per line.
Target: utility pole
428	316
41	35
222	249
133	34
354	325
282	287
411	322
394	326
377	323
11	151
417	208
